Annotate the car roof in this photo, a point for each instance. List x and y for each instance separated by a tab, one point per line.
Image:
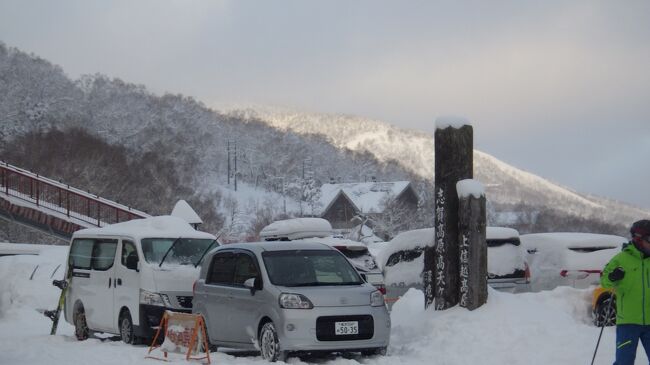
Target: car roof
152	227
277	246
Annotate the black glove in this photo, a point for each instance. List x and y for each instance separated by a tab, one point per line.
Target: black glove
616	274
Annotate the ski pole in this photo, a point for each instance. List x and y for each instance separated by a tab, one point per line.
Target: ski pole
602	327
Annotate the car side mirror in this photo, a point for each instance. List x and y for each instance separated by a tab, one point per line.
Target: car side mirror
253	284
132	262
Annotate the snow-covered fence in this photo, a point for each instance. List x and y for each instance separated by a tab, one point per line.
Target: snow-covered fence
52	196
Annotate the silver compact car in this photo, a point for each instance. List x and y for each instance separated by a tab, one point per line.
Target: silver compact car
285	297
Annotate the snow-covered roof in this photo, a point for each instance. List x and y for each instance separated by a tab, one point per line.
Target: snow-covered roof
161	226
367	197
183	210
297	228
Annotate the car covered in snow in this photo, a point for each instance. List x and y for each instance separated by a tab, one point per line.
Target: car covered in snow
568	259
402	261
320	230
126	275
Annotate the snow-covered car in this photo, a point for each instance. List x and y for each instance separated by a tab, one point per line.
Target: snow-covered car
320	230
126	275
568	259
402	261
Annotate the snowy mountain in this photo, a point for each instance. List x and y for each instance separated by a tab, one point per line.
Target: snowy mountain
156	149
414	151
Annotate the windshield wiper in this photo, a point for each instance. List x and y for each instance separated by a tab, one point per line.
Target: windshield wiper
206	251
167	253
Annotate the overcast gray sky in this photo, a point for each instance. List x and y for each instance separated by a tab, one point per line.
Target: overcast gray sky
558	88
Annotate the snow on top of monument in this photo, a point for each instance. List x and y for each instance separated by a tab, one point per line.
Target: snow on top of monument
183	210
451	121
468	187
160	226
368	197
297	228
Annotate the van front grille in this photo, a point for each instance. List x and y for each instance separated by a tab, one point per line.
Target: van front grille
185	301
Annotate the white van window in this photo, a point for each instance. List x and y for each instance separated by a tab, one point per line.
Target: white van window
81	253
104	254
185	250
128	249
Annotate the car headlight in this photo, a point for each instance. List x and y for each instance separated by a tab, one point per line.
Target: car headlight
377	299
150	298
295	301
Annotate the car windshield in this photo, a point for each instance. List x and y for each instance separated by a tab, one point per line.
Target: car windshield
309	268
186	251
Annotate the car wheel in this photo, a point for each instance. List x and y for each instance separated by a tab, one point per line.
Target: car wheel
605	313
376	351
126	328
81	330
269	344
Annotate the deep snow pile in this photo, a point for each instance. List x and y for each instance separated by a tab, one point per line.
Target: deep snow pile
552	327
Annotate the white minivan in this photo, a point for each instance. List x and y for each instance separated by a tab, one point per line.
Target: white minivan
125	275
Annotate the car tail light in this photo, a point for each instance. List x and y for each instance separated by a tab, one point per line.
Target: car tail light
564	273
381	288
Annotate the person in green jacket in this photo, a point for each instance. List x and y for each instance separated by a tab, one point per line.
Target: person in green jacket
629	274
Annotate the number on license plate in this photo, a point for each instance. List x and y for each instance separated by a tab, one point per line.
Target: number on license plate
346	328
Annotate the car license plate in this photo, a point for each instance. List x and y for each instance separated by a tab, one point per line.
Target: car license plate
346	328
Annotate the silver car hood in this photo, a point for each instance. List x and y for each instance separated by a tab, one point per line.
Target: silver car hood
335	296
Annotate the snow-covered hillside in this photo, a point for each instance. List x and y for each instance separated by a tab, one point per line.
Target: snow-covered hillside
414	151
552	327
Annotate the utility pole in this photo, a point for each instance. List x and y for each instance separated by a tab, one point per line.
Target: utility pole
228	149
235	166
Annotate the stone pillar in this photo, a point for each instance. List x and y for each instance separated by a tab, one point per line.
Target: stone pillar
473	246
453	141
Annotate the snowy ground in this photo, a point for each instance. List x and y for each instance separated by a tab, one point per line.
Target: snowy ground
551	327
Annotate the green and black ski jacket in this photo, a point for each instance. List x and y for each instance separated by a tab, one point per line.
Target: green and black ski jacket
633	291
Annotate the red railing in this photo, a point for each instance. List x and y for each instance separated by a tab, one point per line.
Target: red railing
63	199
